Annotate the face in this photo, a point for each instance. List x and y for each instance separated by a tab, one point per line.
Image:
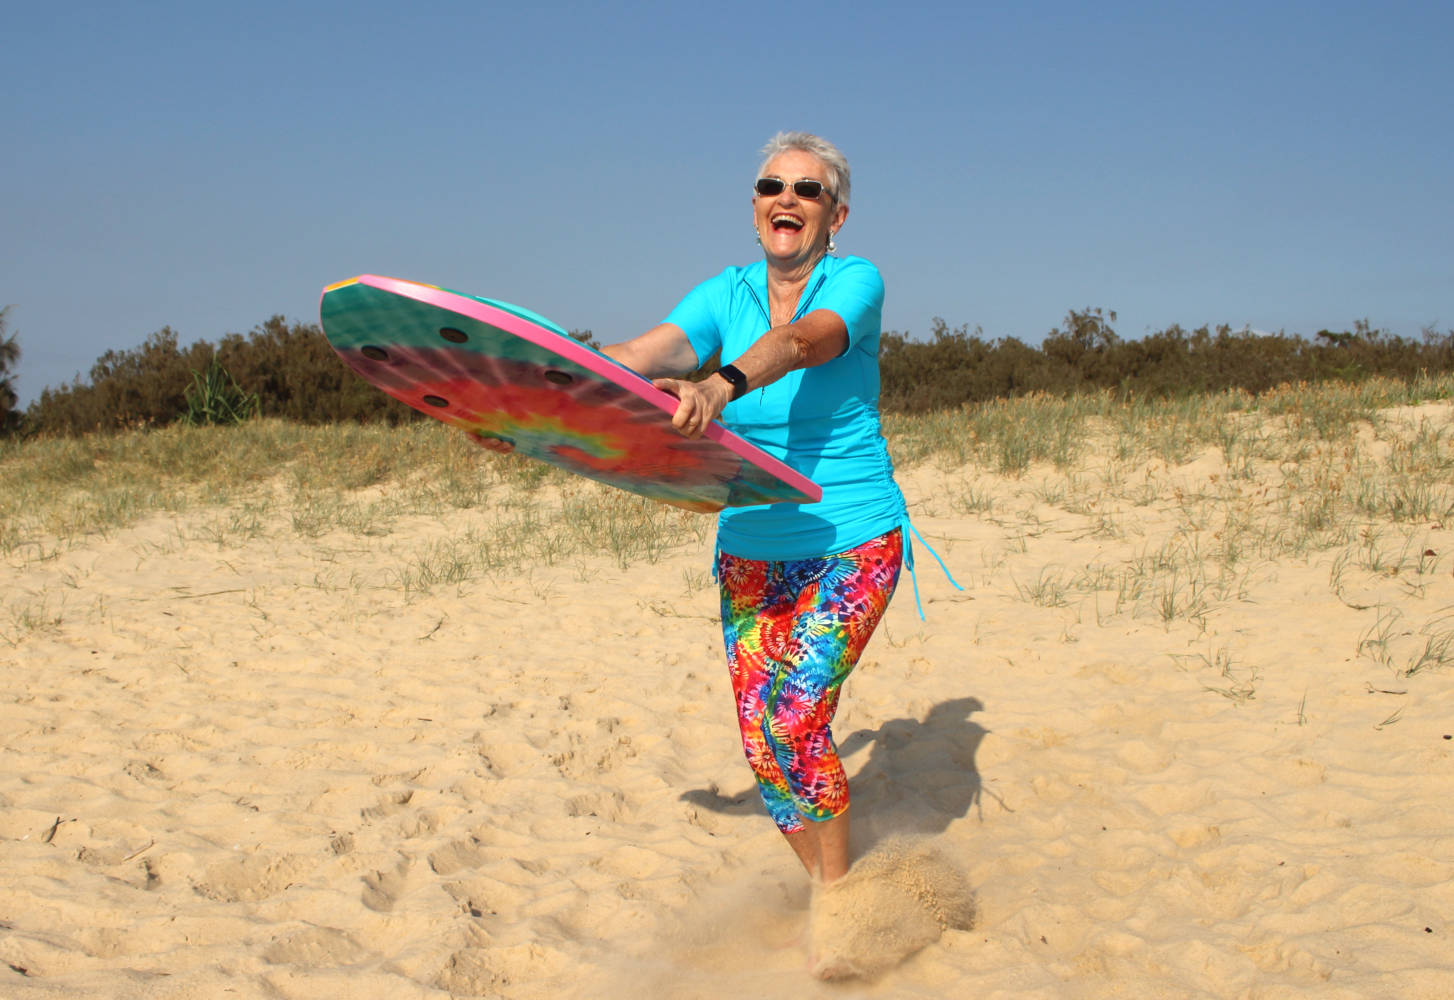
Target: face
795	230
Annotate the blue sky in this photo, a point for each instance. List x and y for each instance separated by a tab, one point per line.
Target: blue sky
1283	166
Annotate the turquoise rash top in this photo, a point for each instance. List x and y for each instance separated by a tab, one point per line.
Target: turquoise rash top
821	421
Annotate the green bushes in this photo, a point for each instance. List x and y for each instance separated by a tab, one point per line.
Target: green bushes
298	377
955	367
289	371
9	357
142	387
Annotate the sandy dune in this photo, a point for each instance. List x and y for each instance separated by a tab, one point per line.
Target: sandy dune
256	768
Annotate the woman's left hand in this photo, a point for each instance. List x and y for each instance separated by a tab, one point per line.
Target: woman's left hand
699	402
498	445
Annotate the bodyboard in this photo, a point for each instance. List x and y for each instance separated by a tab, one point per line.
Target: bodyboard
496	370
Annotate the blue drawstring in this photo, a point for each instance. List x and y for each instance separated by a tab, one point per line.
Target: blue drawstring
908	527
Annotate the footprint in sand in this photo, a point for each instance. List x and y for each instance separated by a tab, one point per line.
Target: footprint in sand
458	855
252	877
315	947
386	806
895	900
383	887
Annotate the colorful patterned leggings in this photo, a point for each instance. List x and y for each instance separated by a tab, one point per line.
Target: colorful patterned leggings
794	632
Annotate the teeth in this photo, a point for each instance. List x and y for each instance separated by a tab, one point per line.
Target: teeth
787	220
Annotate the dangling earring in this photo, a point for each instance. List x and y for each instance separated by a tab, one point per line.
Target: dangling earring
832	247
757	236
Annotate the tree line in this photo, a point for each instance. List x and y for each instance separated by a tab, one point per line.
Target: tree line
288	370
1084	354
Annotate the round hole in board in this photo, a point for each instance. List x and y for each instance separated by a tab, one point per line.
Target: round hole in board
558	377
375	353
436	400
453	335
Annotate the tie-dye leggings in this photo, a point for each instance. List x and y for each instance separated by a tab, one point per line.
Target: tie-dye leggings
794	632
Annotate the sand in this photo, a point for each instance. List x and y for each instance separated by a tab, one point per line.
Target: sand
256	767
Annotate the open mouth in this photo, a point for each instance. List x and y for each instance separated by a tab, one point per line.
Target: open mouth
786	223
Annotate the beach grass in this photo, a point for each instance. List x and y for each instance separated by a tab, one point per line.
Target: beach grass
1205	487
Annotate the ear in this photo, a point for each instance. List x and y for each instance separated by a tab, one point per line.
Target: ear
840	215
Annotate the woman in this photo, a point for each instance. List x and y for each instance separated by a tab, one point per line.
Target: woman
803	586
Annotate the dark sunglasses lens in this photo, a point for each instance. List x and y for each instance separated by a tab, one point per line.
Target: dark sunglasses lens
769	187
807	189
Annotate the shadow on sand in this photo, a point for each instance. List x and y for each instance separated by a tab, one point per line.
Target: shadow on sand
919	777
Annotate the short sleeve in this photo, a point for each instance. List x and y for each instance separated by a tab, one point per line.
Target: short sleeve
855	291
697	315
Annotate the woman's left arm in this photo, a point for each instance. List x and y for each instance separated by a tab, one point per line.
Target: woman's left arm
818	337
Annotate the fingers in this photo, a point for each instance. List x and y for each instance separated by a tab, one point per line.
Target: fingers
498	445
698	403
675	386
693	413
687	419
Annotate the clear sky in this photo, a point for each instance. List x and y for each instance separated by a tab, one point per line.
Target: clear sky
1284	166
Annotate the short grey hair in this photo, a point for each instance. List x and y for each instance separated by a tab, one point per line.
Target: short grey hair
825	151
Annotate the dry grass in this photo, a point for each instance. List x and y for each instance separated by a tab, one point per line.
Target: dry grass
1201	492
1168	512
228	485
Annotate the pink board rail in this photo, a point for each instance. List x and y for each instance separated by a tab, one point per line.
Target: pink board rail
496	370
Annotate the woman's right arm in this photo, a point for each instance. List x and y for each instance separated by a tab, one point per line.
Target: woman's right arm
661	351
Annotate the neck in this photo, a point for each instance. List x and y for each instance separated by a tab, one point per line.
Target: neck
785	284
790	274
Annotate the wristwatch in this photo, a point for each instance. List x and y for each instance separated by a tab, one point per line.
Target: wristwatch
735	377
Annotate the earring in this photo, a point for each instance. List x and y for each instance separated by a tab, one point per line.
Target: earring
757	236
832	247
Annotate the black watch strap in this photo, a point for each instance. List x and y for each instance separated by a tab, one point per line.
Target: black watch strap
736	378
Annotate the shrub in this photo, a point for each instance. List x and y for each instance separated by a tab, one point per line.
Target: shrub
216	398
297	376
9	357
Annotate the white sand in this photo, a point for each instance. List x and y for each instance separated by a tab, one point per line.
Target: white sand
257	770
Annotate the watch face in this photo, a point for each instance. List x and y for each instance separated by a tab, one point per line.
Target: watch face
737	380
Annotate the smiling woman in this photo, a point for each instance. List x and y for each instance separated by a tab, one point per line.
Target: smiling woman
796	211
803	585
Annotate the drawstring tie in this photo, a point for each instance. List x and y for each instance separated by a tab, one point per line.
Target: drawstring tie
907	527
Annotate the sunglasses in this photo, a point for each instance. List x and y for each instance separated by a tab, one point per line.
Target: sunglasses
771	187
